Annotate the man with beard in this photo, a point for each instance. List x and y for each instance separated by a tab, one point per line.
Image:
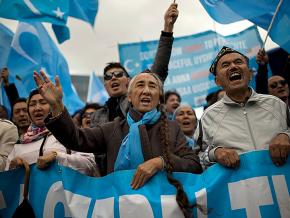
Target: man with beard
242	120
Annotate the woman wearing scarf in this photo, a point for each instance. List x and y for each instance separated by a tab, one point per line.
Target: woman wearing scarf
39	146
146	140
186	118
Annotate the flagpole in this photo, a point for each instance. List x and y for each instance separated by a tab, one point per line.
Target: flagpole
271	24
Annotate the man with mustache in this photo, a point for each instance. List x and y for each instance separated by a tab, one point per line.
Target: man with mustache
242	120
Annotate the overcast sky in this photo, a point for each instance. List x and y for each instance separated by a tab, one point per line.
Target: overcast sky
124	21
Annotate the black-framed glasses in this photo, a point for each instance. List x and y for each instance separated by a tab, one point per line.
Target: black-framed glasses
275	84
117	74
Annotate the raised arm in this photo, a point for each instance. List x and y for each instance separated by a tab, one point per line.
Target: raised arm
161	61
61	124
262	74
10	88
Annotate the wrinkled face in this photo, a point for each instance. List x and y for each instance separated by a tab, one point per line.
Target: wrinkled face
86	119
118	83
38	108
186	119
145	93
172	103
20	115
232	73
278	87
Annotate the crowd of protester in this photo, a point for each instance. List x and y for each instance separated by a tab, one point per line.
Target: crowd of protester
141	127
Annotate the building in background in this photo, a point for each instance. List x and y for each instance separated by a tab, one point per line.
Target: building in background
81	83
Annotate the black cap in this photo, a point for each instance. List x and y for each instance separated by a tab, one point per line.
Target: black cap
225	50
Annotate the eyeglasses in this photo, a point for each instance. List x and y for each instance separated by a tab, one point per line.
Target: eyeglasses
274	85
117	74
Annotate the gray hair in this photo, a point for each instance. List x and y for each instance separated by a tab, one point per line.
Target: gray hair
180	107
160	83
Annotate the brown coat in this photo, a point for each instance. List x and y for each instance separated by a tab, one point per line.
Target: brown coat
107	138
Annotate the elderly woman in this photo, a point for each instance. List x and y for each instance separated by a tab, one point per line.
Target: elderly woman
186	118
145	140
39	145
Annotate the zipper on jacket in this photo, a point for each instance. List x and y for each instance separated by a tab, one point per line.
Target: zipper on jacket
249	126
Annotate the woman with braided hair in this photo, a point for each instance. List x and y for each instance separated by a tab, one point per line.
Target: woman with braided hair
131	143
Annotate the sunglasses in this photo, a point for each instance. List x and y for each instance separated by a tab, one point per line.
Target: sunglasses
274	85
117	74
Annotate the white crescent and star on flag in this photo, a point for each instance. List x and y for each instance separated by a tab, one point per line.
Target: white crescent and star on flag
17	45
58	12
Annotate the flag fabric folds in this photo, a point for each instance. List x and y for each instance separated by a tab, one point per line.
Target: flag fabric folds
56	11
259	12
6	37
229	11
96	92
85	10
32	49
280	32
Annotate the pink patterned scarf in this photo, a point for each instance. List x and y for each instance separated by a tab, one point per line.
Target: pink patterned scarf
33	133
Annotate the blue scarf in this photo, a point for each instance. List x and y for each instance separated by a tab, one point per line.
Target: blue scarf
130	153
190	141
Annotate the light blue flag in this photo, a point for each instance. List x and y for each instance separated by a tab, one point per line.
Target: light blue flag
229	11
259	12
85	10
6	37
53	11
96	92
280	32
33	49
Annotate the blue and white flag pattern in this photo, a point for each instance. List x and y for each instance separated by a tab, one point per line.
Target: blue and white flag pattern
256	189
190	60
32	49
52	11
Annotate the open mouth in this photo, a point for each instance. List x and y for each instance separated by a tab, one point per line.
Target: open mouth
145	101
115	85
186	123
175	106
235	76
38	116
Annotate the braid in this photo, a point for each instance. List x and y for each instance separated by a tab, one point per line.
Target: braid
181	197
